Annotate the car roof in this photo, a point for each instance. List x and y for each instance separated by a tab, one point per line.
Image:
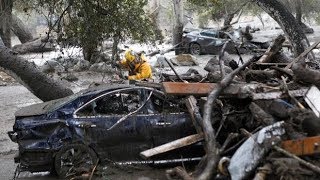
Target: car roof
49	106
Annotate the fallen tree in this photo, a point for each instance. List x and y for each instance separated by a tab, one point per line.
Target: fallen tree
287	23
20	30
29	76
37	45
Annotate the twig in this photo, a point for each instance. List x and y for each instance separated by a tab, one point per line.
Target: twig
303	162
175	72
221	59
230	137
290	95
94	168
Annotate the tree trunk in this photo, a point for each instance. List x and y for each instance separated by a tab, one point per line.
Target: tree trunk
178	24
29	76
287	22
5	21
38	45
20	30
154	16
298	7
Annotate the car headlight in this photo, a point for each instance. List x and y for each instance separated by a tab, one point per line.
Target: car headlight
13	136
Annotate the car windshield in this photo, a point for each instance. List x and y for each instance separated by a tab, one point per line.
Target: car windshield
209	33
55	104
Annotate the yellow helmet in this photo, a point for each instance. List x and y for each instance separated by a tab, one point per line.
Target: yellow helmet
129	55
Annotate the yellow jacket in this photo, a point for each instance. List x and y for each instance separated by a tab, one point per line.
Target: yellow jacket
138	71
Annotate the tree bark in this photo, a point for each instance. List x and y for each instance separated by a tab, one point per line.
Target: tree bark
5	21
287	22
38	45
29	76
20	30
306	75
298	7
178	24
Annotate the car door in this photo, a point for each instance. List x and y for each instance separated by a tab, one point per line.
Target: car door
118	128
209	42
169	120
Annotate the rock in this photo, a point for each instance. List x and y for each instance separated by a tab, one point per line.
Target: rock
184	60
70	77
213	64
102	67
214	77
67	62
161	62
82	65
98	57
52	66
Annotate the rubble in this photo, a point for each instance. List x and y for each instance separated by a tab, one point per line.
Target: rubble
280	105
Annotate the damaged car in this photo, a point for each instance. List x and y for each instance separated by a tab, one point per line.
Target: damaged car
103	124
210	41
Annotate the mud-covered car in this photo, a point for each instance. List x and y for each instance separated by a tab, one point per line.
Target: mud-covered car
211	41
109	124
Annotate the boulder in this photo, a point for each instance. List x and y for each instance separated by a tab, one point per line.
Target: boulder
82	65
184	60
52	66
102	67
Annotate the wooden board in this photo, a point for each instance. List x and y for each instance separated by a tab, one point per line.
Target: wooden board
172	145
305	146
181	88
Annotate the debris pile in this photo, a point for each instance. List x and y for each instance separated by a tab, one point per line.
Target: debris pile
258	119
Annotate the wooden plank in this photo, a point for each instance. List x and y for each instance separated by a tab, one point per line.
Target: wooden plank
172	145
278	94
181	88
301	147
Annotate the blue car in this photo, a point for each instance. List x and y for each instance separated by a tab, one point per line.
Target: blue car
102	124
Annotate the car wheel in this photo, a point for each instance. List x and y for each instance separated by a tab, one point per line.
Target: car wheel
195	49
74	159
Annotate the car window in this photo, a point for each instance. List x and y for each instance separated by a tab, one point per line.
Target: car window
118	103
162	105
209	33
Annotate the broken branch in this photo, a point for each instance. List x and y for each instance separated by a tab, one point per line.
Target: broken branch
221	59
272	50
302	55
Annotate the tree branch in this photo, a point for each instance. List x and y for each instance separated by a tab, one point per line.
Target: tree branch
213	153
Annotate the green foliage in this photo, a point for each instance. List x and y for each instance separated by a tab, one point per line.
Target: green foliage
214	9
89	21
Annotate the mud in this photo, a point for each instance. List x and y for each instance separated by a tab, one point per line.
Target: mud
13	96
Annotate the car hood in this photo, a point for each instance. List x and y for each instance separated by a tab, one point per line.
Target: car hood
36	109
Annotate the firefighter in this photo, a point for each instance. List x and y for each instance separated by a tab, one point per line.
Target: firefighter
137	65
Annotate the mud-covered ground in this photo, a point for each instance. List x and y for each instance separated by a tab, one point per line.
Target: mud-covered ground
14	96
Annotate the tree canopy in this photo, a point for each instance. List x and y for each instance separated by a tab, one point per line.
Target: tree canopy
86	22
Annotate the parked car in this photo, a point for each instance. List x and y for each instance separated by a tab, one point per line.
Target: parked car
211	41
113	123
